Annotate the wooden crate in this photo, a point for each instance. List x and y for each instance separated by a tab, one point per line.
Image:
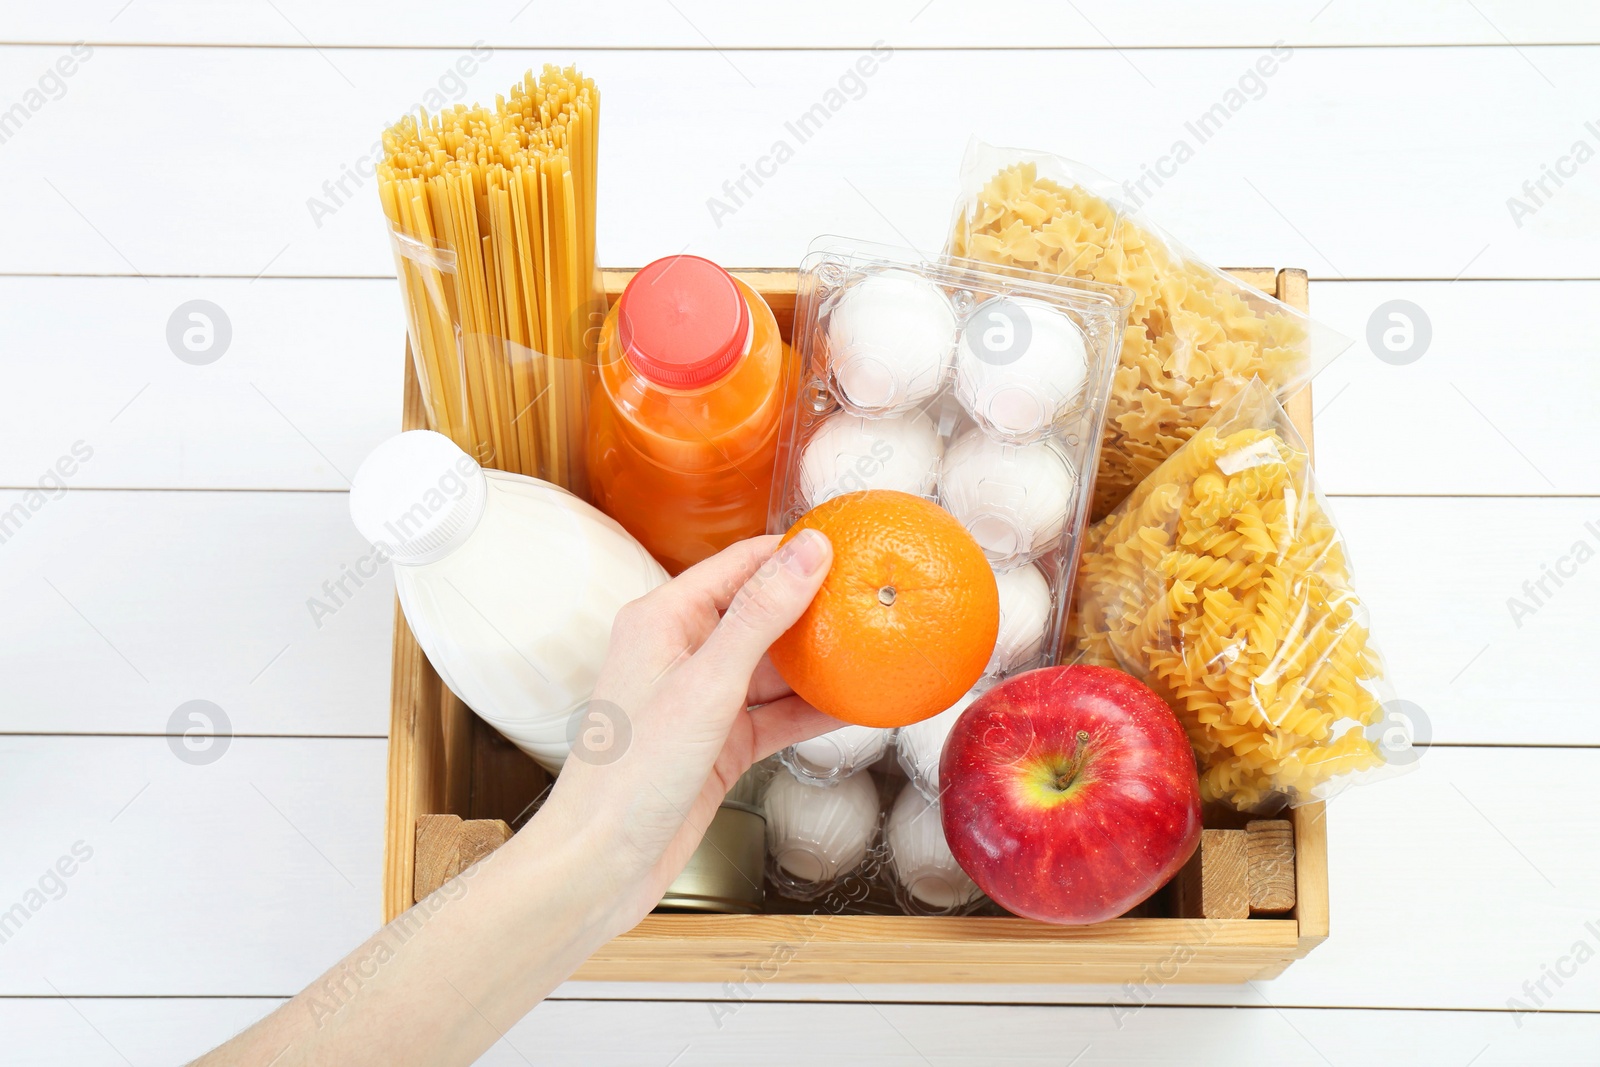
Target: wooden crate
443	760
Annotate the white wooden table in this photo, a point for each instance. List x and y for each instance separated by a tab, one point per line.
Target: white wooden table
215	151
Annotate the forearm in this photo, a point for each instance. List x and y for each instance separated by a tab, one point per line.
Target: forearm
444	981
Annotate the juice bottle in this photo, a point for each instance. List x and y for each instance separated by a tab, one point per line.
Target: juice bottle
683	428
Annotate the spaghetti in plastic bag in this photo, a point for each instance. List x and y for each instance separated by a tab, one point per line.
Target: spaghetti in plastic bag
1195	337
1222	583
491	218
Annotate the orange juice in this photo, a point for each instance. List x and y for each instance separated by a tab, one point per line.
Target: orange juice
683	429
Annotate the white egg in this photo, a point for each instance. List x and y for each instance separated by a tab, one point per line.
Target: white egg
818	833
848	452
920	745
1020	364
839	754
891	338
920	856
1013	499
1024	617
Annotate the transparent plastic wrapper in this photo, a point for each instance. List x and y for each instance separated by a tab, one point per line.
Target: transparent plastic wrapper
1222	583
1195	335
491	218
982	390
835	756
818	834
927	879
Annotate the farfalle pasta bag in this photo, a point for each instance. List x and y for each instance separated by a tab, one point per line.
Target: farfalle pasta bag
1195	335
1222	582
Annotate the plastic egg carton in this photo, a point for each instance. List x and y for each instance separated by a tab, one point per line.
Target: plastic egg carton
981	388
830	758
868	844
824	840
921	870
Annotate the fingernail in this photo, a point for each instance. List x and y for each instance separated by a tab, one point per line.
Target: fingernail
804	555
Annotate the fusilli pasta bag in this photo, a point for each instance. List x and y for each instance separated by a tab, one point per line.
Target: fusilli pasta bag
1222	582
1195	336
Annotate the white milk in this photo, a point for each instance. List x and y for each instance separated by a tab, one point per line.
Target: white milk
510	584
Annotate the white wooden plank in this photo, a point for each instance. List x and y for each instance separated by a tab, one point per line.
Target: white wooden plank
1456	870
203	615
123	606
918	1035
1450	886
1500	400
1438	576
828	23
308	384
249	874
1351	162
323	359
115	1033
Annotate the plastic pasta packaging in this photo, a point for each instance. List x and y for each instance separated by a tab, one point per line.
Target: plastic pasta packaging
491	215
1222	582
1195	336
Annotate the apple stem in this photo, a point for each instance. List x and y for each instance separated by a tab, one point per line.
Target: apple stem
1069	775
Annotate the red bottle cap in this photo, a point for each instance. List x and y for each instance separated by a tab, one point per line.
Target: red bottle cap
683	322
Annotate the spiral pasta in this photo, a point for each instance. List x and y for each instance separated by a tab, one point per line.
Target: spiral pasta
1222	582
1194	339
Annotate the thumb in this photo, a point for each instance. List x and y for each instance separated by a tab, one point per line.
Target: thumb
766	605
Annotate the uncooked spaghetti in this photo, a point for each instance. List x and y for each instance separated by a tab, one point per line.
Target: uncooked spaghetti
492	215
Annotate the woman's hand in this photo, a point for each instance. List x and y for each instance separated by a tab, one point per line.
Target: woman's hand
686	702
670	728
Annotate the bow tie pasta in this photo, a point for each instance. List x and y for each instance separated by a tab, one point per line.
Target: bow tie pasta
1195	336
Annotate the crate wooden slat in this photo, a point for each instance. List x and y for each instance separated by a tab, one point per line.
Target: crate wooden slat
1269	857
443	760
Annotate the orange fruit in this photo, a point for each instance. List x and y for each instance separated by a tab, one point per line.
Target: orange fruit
906	619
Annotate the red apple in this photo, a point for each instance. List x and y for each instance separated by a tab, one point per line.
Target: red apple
1070	794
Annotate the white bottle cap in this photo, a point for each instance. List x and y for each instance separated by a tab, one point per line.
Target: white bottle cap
418	496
